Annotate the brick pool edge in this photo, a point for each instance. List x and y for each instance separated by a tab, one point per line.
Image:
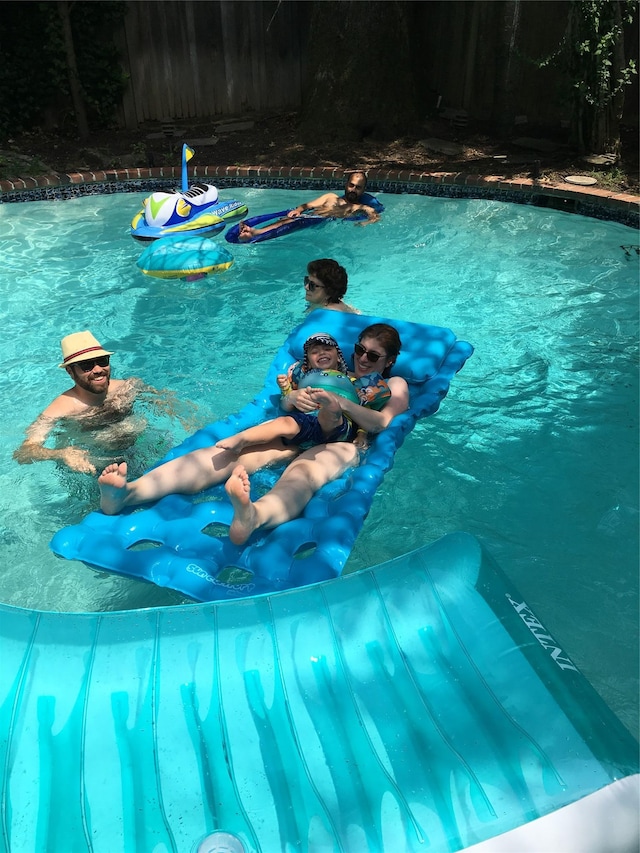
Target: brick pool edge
590	201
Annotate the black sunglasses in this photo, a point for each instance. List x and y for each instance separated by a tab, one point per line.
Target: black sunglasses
371	355
90	363
311	284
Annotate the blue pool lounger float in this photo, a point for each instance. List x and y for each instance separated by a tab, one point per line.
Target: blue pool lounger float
181	542
417	706
298	223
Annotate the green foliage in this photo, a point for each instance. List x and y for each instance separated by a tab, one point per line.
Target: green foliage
26	82
348	97
34	79
596	28
14	164
592	56
102	78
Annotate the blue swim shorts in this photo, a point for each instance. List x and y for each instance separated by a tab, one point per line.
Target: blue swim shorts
311	434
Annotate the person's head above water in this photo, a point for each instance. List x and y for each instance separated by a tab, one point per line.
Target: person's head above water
354	187
321	352
79	347
326	282
86	361
377	349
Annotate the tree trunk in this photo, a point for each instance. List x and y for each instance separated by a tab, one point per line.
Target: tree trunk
596	38
606	136
359	80
507	18
77	96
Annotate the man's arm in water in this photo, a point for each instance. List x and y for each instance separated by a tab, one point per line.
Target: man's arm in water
372	215
32	448
165	401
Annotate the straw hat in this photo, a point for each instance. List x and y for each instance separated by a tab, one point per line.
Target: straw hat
80	346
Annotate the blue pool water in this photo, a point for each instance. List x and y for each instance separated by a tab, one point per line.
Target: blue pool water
535	450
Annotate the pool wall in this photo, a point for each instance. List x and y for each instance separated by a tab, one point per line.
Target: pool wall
587	201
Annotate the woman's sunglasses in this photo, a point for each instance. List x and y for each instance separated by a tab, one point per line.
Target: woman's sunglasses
371	355
90	363
311	285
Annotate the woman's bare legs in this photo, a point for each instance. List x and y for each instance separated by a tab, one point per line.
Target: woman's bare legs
293	491
185	475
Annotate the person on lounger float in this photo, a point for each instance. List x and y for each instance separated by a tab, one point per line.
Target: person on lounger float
329	205
323	370
377	348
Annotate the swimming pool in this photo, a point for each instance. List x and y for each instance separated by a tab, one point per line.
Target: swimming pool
534	451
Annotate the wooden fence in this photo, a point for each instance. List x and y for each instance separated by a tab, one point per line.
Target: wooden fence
189	59
219	58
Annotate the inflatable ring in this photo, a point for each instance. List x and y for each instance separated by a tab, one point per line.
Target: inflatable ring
184	256
373	391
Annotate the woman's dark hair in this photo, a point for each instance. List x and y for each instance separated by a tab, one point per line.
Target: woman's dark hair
332	276
389	340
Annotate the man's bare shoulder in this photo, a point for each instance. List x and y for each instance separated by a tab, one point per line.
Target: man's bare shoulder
117	386
66	405
70	405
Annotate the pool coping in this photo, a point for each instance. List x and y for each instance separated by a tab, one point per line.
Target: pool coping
590	201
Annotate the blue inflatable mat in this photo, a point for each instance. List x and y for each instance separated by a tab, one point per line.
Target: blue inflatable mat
181	543
296	224
414	707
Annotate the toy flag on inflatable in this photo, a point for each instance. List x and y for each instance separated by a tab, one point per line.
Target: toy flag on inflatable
194	211
187	154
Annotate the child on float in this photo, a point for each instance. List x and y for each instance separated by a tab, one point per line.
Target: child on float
323	359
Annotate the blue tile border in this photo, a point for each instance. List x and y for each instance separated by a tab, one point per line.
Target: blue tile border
547	199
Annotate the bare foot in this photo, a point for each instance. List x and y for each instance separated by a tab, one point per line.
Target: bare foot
113	488
245	519
325	400
234	443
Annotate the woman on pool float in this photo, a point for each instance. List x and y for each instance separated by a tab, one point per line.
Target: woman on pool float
323	364
377	349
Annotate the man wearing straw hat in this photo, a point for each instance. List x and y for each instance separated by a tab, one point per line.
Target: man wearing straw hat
95	402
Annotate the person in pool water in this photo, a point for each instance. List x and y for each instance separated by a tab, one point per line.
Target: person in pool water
377	349
96	403
325	285
321	354
329	205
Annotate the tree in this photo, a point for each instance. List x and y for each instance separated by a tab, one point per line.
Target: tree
77	95
359	80
57	56
594	51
